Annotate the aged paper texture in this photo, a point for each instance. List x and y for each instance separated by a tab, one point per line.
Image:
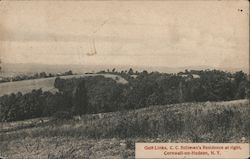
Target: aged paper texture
124	79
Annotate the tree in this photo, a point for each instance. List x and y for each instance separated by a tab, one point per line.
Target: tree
144	72
80	99
240	85
239	77
42	75
68	73
59	83
130	72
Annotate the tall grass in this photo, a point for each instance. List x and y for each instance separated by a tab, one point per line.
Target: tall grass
194	122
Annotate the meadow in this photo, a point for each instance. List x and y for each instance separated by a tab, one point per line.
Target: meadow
46	84
112	135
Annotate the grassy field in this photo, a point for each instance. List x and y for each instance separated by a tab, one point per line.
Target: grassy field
46	84
112	135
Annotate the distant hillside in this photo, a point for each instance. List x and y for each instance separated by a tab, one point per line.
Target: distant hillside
17	69
46	84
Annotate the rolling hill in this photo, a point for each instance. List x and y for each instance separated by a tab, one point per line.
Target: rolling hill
112	135
46	84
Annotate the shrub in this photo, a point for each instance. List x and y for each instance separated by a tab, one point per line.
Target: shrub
62	115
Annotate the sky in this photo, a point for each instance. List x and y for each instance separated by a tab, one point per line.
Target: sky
139	33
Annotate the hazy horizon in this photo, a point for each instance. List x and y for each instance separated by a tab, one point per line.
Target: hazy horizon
16	69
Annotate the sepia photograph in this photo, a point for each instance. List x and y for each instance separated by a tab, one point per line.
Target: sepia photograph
90	79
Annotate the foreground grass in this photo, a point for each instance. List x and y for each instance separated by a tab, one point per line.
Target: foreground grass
112	135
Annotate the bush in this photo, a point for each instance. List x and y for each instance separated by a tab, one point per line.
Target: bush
62	115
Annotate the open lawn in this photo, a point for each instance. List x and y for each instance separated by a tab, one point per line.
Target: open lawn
46	84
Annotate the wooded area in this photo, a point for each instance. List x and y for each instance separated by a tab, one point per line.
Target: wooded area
97	94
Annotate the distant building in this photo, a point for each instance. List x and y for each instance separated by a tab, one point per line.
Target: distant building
195	76
184	75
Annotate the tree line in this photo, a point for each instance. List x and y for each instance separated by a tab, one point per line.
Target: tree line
34	76
97	94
